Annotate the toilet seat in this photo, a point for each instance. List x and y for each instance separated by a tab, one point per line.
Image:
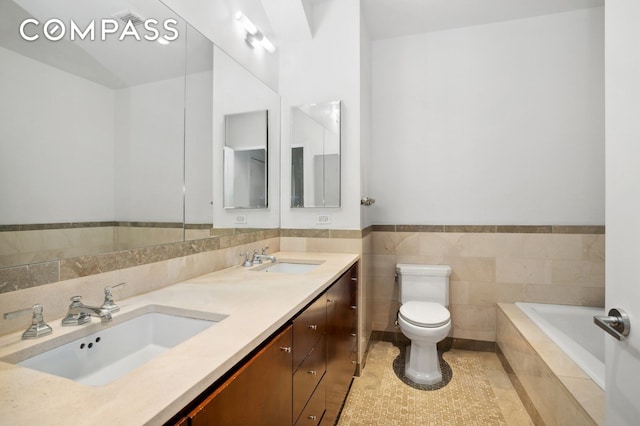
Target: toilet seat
424	314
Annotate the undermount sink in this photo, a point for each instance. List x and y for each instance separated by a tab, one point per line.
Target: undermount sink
111	352
289	267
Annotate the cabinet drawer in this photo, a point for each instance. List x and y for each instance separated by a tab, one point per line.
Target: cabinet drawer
308	375
313	412
308	327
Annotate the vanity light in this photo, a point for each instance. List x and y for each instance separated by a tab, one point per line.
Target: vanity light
254	35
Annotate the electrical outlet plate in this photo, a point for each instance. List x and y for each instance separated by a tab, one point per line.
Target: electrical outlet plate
323	219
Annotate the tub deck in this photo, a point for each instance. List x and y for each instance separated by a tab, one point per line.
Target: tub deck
553	387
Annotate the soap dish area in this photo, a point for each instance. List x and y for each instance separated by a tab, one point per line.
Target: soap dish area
288	266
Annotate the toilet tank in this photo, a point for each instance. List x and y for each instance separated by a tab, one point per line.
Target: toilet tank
426	283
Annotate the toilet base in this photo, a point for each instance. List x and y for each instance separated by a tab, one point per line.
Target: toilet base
422	364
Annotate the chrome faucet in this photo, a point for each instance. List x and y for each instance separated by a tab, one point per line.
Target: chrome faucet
80	313
258	258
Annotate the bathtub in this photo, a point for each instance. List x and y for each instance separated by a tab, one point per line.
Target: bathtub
547	351
573	330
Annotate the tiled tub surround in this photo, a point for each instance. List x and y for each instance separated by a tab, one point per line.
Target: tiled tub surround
554	389
257	304
491	264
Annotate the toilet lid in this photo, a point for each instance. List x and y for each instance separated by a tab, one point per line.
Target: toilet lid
425	314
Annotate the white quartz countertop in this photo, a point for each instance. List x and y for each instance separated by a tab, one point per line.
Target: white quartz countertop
257	305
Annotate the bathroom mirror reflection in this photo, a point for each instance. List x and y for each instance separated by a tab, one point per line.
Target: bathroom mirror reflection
93	153
245	160
315	155
246	149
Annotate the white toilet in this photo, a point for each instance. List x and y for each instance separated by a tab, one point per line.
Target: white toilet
424	318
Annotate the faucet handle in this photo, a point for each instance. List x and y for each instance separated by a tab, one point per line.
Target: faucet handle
264	250
246	262
109	304
38	327
256	258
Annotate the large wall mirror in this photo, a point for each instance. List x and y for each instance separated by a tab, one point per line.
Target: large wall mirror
100	138
315	155
245	160
246	150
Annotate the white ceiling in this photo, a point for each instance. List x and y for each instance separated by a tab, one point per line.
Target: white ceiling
396	18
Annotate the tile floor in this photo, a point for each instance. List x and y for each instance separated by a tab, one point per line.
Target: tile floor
475	391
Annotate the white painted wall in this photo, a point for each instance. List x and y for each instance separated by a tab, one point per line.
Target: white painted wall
236	90
365	121
198	147
493	124
60	170
325	69
149	157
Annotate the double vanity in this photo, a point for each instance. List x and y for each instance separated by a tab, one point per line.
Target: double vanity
180	353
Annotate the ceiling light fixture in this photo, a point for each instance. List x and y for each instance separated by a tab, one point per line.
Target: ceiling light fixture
254	35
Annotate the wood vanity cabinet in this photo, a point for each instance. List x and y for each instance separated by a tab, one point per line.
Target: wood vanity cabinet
259	393
342	322
300	376
309	362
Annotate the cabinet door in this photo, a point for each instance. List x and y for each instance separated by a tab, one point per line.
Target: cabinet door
341	338
308	328
260	393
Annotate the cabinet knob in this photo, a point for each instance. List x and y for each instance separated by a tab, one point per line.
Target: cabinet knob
312	417
354	307
313	327
286	349
353	334
354	279
312	372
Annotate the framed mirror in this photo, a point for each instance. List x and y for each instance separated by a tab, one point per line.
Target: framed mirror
245	160
315	155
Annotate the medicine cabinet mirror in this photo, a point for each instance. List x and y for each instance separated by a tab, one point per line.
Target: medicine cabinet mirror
315	155
245	160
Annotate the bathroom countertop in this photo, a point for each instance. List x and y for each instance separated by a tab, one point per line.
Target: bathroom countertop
257	305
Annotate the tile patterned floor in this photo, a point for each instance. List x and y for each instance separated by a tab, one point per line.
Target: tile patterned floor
478	392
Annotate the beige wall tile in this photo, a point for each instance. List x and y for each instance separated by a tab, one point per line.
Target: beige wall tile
553	246
384	265
482	293
334	245
535	271
495	245
593	247
444	244
293	244
474	322
577	272
458	292
472	268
